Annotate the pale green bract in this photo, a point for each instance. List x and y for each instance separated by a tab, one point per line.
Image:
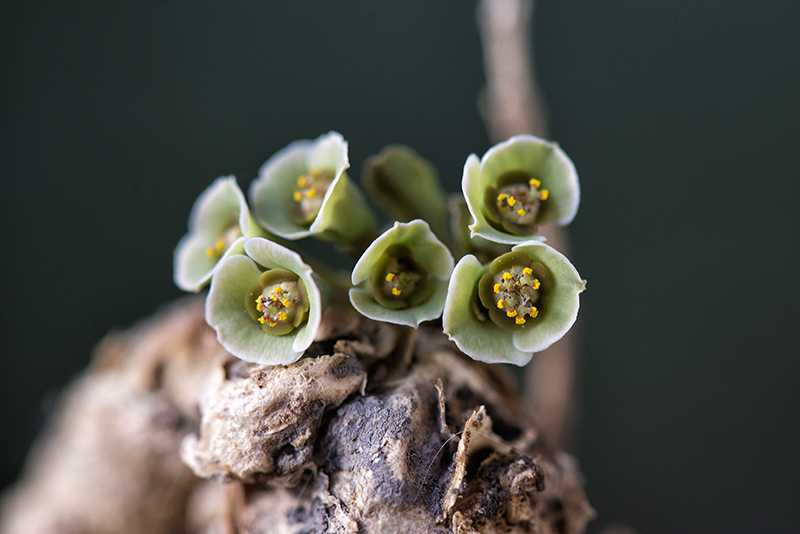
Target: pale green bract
343	215
544	161
227	313
427	250
219	224
483	339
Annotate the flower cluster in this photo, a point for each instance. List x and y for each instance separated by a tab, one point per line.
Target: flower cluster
498	303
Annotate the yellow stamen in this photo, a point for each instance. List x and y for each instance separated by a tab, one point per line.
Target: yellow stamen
271	322
279	290
534	312
302	182
520	212
497	288
520	320
298	196
512	313
507	276
395	291
262	320
535	183
216	249
512	201
536	283
543	194
282	316
500	303
315	173
527	271
390	277
311	193
286	303
501	197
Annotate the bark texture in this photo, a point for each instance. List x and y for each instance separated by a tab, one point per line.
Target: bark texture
377	429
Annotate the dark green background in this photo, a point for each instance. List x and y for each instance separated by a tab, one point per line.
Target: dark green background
681	116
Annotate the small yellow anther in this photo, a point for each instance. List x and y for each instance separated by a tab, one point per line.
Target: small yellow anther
315	173
395	291
262	320
534	182
520	320
512	201
498	288
282	316
534	312
302	181
520	212
511	313
536	283
311	193
390	277
286	303
216	249
500	303
507	276
298	196
278	290
501	197
527	271
543	194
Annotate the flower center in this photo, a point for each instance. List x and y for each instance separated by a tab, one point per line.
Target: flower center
281	304
399	281
308	196
513	291
231	233
515	204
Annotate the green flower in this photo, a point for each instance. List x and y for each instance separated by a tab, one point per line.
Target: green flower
303	190
266	306
518	186
404	276
521	303
219	224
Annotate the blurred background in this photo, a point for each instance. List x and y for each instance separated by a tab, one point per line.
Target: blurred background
682	117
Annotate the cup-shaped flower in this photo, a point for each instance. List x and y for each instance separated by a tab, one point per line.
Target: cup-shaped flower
219	224
518	186
303	190
266	306
402	276
521	303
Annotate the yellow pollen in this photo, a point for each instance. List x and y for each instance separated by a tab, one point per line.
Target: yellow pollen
282	316
512	201
527	271
520	212
262	320
536	283
534	312
507	276
278	290
395	291
271	322
302	181
315	173
216	249
311	193
298	196
535	183
520	320
500	303
543	194
286	303
501	197
390	277
512	313
497	288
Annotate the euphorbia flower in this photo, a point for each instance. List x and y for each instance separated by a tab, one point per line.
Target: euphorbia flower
404	275
219	224
303	190
266	306
521	303
518	186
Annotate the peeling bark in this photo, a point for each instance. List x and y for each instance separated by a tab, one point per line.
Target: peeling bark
377	429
